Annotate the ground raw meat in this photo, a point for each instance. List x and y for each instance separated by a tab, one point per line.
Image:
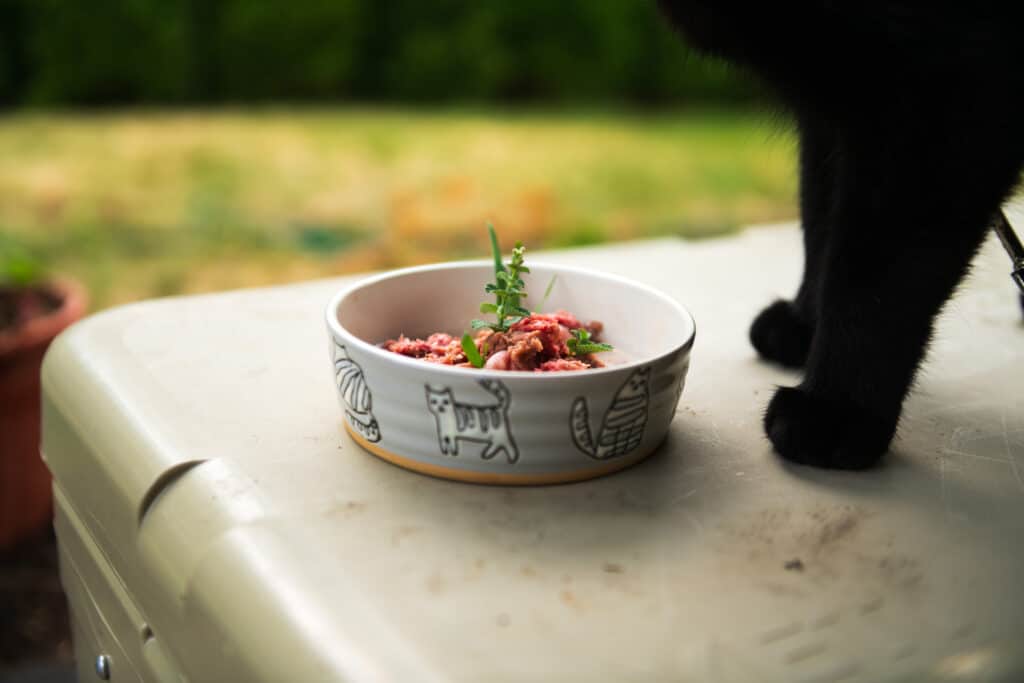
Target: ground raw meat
559	364
437	348
536	343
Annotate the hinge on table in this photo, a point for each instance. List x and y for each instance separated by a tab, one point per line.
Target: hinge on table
1013	247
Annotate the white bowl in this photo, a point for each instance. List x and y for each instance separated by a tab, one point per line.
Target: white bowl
507	427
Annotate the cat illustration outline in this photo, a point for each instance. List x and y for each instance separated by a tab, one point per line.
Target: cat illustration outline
623	425
680	385
355	394
488	424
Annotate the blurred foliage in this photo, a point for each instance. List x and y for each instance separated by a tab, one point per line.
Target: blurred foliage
215	51
147	203
19	267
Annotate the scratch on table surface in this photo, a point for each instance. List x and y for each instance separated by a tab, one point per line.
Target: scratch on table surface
953	451
963	405
958	434
694	521
945	492
716	437
1009	454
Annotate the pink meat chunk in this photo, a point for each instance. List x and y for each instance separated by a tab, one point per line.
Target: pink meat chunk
537	343
437	348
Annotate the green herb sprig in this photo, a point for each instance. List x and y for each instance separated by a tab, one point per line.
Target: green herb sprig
580	344
508	289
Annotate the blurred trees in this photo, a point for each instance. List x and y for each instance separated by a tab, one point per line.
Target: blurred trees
211	51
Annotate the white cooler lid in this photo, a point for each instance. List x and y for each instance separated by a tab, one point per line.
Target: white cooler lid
199	439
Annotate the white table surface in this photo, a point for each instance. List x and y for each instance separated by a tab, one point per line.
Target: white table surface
263	544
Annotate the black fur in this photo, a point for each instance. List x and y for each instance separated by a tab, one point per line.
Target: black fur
909	115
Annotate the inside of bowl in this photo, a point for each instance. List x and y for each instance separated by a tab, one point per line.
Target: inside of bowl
637	322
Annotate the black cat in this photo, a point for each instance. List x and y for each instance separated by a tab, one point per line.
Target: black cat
911	136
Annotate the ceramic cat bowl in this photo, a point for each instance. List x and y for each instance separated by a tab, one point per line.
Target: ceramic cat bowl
506	427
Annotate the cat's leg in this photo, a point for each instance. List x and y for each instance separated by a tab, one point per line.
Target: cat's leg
497	444
911	214
492	449
782	332
446	435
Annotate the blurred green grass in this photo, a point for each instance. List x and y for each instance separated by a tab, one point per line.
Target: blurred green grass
151	203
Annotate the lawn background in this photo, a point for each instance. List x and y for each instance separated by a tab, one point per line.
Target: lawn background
153	202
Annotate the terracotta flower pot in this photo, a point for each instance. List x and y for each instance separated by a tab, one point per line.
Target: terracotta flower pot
25	493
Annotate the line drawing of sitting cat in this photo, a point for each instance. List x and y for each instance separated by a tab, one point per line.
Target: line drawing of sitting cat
486	424
623	425
355	394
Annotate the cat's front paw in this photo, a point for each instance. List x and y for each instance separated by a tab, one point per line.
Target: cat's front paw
779	334
834	434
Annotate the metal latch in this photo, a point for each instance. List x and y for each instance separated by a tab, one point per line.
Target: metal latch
1013	247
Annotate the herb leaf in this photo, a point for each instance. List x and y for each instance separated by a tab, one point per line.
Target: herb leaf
547	293
495	250
580	344
508	289
472	354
